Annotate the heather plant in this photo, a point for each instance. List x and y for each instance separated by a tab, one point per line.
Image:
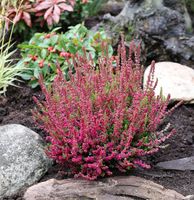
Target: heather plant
45	50
102	119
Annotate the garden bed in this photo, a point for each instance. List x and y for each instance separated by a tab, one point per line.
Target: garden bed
16	108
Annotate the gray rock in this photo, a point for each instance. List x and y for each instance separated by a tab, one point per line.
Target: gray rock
179	164
116	188
22	159
164	26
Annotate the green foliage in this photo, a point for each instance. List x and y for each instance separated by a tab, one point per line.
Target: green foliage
81	11
47	50
93	6
190	5
8	70
23	33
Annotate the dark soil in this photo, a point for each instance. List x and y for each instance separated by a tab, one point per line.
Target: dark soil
16	108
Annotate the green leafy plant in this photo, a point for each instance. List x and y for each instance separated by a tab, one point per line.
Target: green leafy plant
46	51
82	10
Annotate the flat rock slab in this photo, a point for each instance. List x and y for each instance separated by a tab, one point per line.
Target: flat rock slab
179	164
22	159
117	188
174	79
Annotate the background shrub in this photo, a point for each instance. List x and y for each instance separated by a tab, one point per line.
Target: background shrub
31	16
82	10
47	50
102	119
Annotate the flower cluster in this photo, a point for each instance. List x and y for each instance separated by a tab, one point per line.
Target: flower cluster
102	119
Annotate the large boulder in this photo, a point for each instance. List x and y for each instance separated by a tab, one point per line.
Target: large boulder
22	159
164	26
117	188
174	79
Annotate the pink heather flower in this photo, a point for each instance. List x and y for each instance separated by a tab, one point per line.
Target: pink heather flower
141	164
102	119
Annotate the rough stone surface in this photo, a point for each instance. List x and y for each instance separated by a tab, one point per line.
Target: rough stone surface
112	6
174	79
189	197
22	159
118	188
179	164
163	26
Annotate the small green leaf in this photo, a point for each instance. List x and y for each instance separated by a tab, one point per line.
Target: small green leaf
26	76
43	53
54	39
46	42
45	71
53	67
72	48
34	83
110	50
36	72
56	29
28	46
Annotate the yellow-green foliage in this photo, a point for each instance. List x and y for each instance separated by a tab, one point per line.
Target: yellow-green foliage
8	70
5	4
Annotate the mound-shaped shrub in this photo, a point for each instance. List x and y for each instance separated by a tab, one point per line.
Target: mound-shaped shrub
102	119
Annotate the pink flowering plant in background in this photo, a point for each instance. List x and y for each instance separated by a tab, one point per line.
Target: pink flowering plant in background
51	10
102	119
31	16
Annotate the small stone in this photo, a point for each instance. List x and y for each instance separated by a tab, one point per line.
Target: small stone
179	164
189	140
3	100
3	112
182	149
